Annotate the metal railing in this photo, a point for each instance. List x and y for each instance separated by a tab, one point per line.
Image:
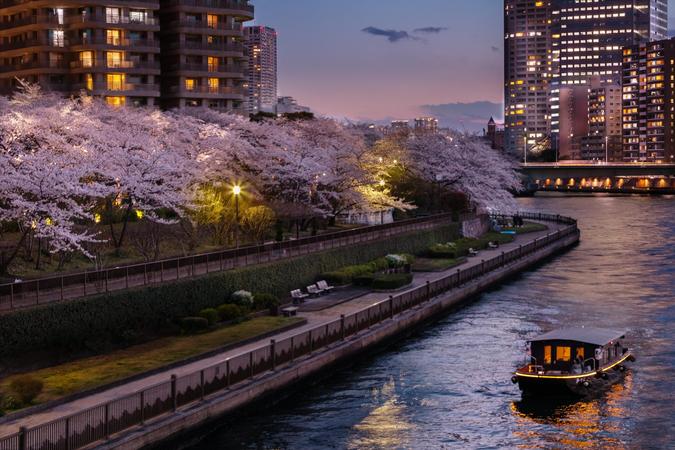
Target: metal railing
100	422
31	293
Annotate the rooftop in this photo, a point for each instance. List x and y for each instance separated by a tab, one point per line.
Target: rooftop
595	336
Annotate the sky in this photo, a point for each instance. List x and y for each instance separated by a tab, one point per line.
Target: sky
376	60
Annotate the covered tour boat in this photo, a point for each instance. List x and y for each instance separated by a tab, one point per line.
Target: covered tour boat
576	361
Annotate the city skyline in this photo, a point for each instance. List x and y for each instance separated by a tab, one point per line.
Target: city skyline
464	86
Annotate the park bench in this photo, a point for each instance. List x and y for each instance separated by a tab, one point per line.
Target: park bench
290	311
314	290
324	286
473	252
298	296
494	244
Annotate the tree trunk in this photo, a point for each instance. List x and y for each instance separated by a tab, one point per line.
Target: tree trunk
118	243
39	254
5	262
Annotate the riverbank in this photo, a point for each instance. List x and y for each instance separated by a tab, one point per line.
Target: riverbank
251	368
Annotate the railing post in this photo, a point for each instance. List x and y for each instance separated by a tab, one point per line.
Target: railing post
11	296
85	283
503	259
23	442
174	394
201	384
250	363
368	317
106	421
391	306
428	290
106	280
161	271
145	274
37	292
142	407
292	348
61	288
458	276
126	277
482	266
273	353
67	433
227	375
342	326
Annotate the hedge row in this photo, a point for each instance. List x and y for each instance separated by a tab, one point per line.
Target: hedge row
95	322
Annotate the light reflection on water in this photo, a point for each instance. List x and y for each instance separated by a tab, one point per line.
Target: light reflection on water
448	386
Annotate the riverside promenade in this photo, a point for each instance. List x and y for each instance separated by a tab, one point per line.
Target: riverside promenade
525	250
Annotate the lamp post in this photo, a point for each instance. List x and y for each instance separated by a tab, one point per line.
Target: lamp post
236	190
525	146
607	149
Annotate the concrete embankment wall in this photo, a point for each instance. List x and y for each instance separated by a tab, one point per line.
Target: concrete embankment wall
243	394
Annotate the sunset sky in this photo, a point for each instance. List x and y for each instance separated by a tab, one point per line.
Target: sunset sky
382	59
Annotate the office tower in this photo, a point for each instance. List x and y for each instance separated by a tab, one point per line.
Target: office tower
108	50
573	121
649	102
203	62
527	47
588	37
603	142
426	125
261	51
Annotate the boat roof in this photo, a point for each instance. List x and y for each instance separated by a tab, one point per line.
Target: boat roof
595	336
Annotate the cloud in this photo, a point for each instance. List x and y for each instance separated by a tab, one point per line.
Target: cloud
465	116
432	30
392	35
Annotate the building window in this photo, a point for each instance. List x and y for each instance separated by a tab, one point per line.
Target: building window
57	38
87	59
55	59
563	353
116	101
112	15
115	81
89	82
138	16
213	64
112	37
212	20
214	83
190	84
114	59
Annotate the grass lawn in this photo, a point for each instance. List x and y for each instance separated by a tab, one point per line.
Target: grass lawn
435	264
95	371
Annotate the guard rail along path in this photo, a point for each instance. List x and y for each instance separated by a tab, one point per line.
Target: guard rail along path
101	422
32	293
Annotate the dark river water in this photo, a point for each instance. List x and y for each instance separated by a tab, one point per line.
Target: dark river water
448	385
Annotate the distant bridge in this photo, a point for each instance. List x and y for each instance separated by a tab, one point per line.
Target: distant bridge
613	177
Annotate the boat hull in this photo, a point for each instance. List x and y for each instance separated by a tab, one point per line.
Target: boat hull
580	387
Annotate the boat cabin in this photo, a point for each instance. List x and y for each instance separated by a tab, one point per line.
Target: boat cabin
575	350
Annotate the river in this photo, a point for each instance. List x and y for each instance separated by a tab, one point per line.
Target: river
448	385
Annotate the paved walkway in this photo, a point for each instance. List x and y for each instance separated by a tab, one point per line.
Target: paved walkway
314	319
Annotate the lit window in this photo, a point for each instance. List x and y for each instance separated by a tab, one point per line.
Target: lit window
547	354
214	83
212	20
213	64
89	82
563	353
114	59
138	16
190	84
87	59
112	15
57	38
112	37
116	101
115	81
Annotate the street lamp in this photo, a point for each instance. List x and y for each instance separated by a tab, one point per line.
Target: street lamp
525	146
236	190
607	149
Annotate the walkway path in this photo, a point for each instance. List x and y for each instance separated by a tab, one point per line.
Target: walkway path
313	319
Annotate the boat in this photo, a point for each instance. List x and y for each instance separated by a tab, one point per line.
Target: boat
576	361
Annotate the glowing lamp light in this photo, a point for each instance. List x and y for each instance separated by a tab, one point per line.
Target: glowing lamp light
97	218
382	183
236	190
139	213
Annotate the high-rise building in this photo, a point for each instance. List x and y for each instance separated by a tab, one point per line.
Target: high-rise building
588	37
109	50
426	125
261	51
289	105
603	141
203	61
573	121
527	48
649	102
120	50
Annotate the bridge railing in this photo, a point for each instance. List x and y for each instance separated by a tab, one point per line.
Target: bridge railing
100	422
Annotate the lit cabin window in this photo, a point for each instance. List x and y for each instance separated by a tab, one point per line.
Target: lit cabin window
547	354
580	353
563	353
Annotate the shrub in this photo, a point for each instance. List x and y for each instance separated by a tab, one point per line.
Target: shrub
447	250
26	388
242	298
364	280
9	403
210	314
228	312
191	325
392	281
69	325
396	261
265	301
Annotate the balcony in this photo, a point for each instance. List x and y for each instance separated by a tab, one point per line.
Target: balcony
115	65
201	91
204	46
143	89
232	5
220	68
116	42
32	20
35	65
32	43
113	20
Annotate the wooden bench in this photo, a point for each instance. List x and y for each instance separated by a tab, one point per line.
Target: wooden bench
314	290
290	311
298	296
324	285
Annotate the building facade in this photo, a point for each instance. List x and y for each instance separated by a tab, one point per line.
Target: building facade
527	52
603	142
426	125
176	53
649	102
261	52
587	42
289	105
